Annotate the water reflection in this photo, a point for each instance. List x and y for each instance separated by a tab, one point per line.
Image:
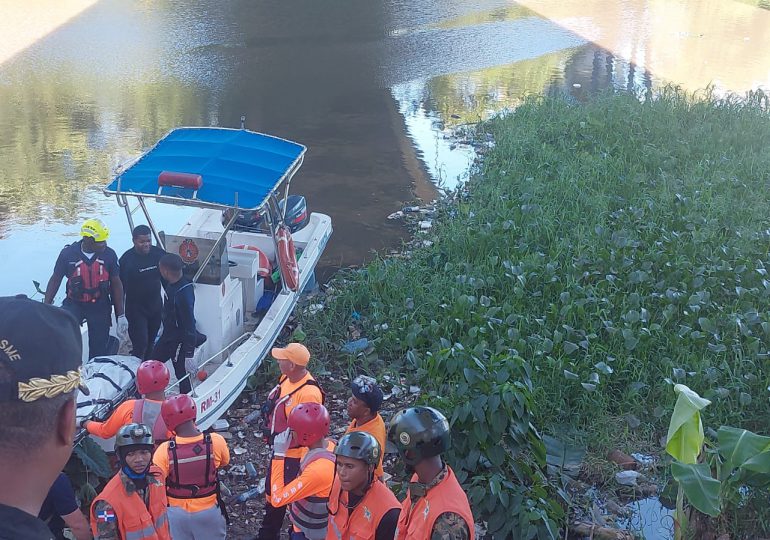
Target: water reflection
374	91
692	44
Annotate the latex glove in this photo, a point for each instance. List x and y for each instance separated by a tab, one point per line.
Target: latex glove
122	328
281	443
190	365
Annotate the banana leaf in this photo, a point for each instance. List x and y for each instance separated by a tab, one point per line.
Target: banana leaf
701	490
685	432
93	457
739	446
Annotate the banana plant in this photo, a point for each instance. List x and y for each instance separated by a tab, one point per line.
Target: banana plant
742	458
684	443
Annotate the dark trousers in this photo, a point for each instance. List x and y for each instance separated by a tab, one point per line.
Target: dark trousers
169	348
143	325
98	319
273	520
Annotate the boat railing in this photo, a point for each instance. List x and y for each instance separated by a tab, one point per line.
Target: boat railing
227	350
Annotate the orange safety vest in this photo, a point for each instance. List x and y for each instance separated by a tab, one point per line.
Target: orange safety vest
416	521
363	522
135	520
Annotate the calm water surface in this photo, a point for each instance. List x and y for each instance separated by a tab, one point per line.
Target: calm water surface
373	89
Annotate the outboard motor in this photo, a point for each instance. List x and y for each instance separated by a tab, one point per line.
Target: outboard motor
297	216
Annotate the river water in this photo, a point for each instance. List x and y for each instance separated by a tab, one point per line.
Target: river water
374	89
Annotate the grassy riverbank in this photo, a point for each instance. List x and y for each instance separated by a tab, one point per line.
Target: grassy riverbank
604	252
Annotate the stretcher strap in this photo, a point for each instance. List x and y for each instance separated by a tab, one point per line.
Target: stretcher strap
107	378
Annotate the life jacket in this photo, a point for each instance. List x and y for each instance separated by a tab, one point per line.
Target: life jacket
88	280
192	472
361	523
274	409
136	521
311	514
416	520
148	413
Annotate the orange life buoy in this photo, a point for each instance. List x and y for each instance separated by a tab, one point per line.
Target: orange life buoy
265	268
287	258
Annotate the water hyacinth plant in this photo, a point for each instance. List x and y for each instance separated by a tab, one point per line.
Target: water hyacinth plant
604	252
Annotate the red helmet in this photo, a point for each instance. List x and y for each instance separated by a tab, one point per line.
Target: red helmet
309	422
152	376
178	410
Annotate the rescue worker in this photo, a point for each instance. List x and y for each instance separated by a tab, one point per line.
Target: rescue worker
40	358
179	337
132	506
93	285
308	493
60	509
295	385
361	506
189	462
152	378
363	409
140	276
435	505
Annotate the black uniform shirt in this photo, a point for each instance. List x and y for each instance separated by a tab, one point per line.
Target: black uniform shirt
73	253
16	524
141	278
179	314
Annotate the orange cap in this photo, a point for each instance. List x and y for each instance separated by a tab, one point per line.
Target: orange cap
293	352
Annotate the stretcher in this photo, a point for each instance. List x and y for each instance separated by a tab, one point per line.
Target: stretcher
111	380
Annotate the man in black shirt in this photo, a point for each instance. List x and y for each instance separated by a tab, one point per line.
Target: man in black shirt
140	275
179	337
93	285
61	509
40	358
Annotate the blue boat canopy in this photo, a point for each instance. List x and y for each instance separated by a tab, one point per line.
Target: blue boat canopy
216	167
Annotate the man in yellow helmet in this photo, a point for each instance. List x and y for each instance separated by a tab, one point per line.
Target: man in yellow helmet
93	285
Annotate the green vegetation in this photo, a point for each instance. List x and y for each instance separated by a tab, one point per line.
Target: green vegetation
604	252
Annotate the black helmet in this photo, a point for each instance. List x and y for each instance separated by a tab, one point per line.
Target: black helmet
360	445
419	433
133	435
367	390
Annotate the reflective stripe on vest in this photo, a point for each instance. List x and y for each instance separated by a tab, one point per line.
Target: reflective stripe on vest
192	474
311	514
148	413
417	520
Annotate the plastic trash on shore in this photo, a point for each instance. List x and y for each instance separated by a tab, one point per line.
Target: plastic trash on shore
252	417
221	425
253	492
251	470
354	347
627	478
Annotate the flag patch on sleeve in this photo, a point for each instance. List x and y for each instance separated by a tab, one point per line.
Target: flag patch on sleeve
105	516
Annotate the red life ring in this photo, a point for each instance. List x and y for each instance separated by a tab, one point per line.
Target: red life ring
265	268
287	258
